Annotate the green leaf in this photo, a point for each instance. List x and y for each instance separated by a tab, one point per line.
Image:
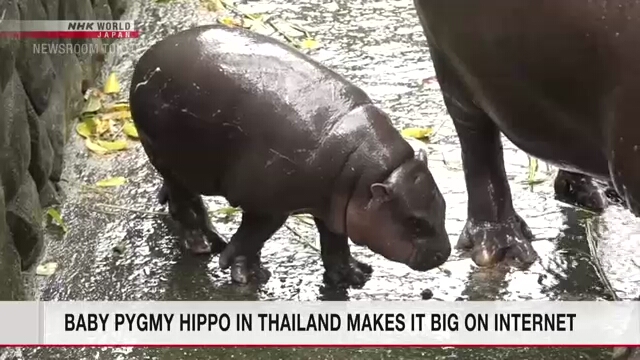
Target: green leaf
86	128
113	145
533	169
226	211
57	218
130	130
214	5
226	214
417	133
229	21
92	105
112	85
112	182
115	107
116	115
309	44
95	147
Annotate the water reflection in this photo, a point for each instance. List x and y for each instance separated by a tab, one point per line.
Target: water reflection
484	284
571	273
332	293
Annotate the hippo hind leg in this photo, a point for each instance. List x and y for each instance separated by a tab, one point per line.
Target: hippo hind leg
340	267
243	252
579	190
188	210
494	231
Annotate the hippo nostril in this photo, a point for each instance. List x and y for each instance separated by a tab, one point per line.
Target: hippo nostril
440	257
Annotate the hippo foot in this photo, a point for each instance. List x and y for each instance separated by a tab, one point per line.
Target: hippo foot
244	271
198	244
579	190
492	242
354	274
612	195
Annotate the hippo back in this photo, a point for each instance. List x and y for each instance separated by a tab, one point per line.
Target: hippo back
242	106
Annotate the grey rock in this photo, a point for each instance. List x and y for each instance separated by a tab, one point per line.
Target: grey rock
118	8
102	9
82	9
40	96
11	286
24	217
35	69
8	47
15	149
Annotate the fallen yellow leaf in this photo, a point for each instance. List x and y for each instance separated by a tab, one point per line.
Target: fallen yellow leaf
85	128
47	269
57	218
93	104
121	106
102	126
116	115
112	86
417	133
130	130
229	21
214	5
113	145
95	147
309	43
112	182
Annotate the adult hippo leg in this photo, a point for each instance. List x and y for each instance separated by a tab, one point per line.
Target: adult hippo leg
340	267
243	252
580	190
493	230
189	211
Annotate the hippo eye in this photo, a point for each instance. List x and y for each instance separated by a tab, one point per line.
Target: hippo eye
421	226
414	222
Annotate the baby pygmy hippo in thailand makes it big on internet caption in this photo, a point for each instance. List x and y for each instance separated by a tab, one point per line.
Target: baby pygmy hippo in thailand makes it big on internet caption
227	112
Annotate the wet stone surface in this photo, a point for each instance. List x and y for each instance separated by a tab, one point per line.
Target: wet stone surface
378	45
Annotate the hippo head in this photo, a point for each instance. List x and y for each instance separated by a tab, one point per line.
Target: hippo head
404	218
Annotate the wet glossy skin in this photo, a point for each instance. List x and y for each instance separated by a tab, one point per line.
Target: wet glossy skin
561	80
226	112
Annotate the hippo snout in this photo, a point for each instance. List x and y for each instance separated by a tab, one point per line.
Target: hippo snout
428	255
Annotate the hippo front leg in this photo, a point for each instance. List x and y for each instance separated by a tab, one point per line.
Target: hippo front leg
579	190
494	231
242	253
340	267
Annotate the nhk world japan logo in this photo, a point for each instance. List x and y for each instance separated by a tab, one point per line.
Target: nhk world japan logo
52	29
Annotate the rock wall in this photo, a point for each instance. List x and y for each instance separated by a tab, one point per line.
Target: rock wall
40	95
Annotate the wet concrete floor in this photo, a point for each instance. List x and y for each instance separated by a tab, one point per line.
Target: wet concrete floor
378	45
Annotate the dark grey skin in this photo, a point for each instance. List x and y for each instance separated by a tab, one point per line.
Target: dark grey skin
561	80
225	112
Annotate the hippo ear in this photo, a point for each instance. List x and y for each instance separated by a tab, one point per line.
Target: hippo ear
422	156
380	191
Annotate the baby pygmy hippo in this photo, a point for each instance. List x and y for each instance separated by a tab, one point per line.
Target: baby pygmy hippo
227	112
